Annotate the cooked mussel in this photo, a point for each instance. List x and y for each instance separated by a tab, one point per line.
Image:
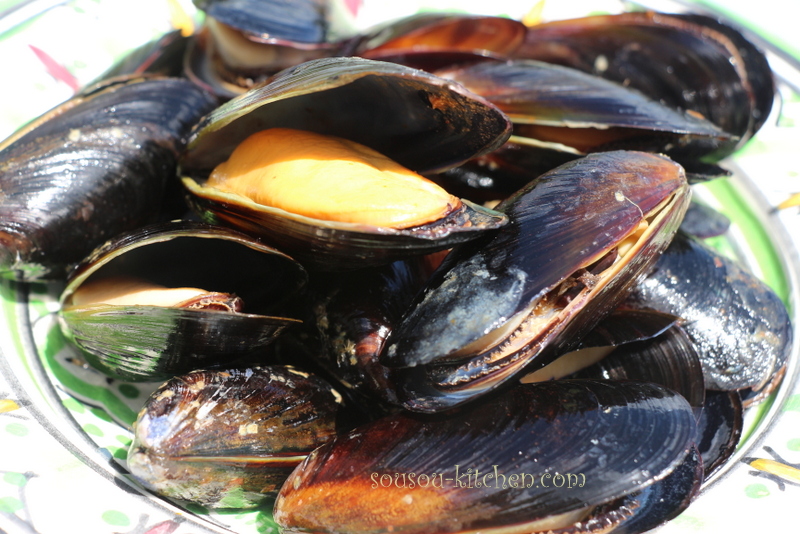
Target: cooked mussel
578	238
229	438
438	39
495	466
243	42
686	62
96	166
565	109
121	309
739	325
340	116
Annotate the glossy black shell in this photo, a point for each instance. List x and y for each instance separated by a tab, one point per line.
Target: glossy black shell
491	467
90	169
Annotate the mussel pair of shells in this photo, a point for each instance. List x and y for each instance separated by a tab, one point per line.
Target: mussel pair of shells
171	298
229	438
690	62
578	239
551	457
421	121
98	165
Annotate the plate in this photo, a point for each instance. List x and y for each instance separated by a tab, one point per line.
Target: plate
64	427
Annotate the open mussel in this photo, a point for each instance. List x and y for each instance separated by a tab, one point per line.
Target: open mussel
171	298
228	438
94	167
539	457
339	143
578	238
669	359
243	42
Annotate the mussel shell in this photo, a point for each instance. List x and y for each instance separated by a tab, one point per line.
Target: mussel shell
756	66
669	359
442	33
664	500
719	429
331	245
421	121
353	314
552	104
138	342
412	474
90	169
625	325
501	173
679	62
229	438
739	325
163	56
276	21
703	222
413	117
566	220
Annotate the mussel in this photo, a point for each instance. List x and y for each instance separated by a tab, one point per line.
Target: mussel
94	167
119	306
340	114
564	109
578	238
538	458
228	438
352	314
691	63
432	40
243	42
739	324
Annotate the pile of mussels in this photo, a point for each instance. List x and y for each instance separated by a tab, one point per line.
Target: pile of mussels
431	277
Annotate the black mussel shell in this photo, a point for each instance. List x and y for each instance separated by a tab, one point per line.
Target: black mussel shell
625	325
421	121
229	438
485	314
703	221
353	313
685	63
439	33
146	342
669	359
163	56
756	66
719	429
612	335
566	109
278	21
90	169
494	466
739	325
